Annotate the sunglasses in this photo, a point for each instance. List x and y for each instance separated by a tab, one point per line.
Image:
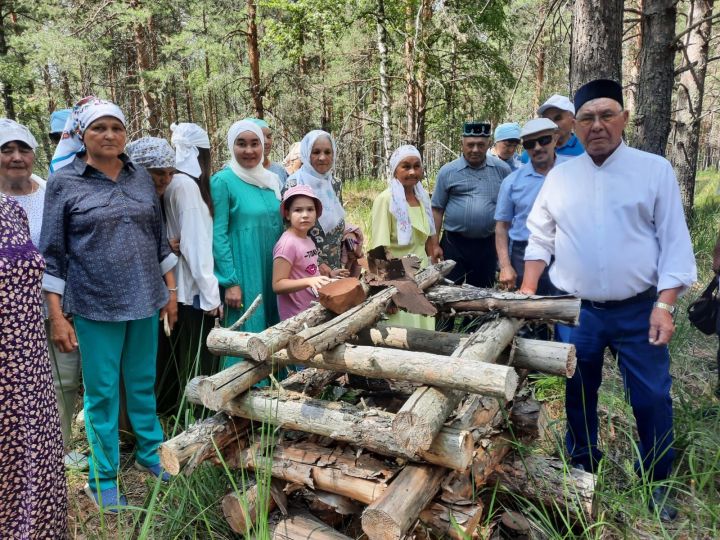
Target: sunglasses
544	141
476	129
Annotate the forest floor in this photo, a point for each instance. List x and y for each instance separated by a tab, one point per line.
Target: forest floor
189	507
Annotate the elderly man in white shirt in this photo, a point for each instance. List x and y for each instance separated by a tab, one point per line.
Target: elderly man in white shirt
613	220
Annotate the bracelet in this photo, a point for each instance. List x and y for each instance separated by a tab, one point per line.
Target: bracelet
174	289
666	307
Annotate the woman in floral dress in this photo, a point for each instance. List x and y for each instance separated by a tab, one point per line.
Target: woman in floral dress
33	497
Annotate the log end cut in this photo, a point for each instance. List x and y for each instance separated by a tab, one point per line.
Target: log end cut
169	460
299	349
571	362
378	525
342	295
258	350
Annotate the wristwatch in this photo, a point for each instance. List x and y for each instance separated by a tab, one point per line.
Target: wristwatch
666	307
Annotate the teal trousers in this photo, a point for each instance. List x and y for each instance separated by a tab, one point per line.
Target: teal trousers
109	351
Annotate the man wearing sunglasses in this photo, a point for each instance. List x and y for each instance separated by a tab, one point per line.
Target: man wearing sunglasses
614	222
560	110
464	198
516	198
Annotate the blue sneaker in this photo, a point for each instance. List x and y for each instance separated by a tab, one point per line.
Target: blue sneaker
156	470
109	501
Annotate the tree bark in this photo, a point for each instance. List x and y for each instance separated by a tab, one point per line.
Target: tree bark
392	515
551	357
385	107
409	57
303	526
254	58
656	77
145	63
467	298
596	48
241	510
686	132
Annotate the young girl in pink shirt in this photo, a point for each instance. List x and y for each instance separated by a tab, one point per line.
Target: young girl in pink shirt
296	277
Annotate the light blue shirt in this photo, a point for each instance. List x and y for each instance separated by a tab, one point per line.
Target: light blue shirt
517	196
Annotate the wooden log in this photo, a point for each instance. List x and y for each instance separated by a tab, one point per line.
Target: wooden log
367	428
342	295
218	389
261	346
420	419
551	357
241	510
312	341
489	454
551	482
200	441
303	526
462	372
392	515
528	418
467	298
445	519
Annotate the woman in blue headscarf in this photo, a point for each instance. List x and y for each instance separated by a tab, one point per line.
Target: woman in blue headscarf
318	153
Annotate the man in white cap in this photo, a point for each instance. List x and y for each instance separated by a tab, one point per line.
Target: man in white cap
613	220
507	139
516	198
560	110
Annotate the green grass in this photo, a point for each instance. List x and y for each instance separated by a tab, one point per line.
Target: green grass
189	507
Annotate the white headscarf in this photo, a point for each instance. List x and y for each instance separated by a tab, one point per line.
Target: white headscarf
258	176
398	203
151	153
85	112
10	131
321	184
187	138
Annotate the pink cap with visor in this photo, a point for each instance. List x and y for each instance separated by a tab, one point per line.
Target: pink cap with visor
305	191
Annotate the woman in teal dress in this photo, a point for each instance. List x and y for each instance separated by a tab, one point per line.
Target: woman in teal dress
402	221
246	226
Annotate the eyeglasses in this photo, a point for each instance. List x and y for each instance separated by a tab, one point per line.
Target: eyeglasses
605	117
476	129
544	141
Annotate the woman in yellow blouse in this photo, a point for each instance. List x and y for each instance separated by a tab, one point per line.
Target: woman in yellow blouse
402	221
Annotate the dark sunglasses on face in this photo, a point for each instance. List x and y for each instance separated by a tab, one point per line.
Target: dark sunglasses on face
544	141
477	129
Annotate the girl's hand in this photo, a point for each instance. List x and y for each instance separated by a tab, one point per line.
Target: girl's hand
317	282
339	272
174	245
325	270
233	297
62	334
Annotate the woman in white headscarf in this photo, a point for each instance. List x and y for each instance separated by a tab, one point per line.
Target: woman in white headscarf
402	221
318	153
246	226
109	267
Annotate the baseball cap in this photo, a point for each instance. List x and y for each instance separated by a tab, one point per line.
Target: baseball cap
559	102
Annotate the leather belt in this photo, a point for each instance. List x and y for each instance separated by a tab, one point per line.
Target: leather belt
649	294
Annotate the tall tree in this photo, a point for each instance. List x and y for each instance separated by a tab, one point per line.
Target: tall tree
656	76
686	133
385	109
596	47
254	59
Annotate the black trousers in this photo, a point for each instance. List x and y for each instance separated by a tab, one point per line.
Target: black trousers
476	258
517	259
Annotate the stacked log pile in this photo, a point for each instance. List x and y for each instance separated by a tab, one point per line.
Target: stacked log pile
416	466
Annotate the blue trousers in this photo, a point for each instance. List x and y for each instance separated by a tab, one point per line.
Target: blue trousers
645	369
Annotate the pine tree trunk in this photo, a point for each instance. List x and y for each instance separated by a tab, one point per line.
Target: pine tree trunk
596	48
632	59
7	91
382	40
686	135
656	78
422	80
409	53
254	58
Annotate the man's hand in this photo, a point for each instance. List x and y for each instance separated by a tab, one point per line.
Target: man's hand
507	278
174	245
662	327
62	334
170	311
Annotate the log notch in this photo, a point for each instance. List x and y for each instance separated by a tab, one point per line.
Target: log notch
366	428
303	526
551	482
421	418
549	357
312	341
467	298
462	372
392	515
199	442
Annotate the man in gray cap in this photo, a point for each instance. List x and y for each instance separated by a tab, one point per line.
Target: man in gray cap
614	222
516	198
464	199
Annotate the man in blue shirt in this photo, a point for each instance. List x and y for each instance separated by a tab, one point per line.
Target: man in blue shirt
464	198
507	139
516	198
560	110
